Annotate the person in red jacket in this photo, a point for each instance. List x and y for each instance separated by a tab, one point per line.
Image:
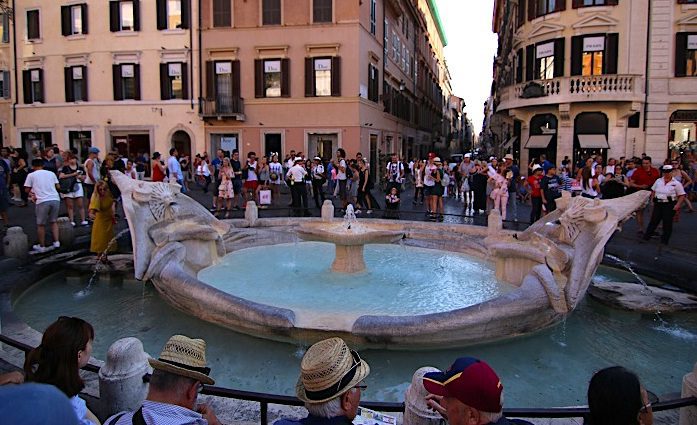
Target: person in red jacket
643	179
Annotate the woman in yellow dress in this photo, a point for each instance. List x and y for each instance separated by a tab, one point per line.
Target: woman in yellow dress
102	212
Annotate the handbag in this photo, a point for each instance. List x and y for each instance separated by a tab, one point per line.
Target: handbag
67	184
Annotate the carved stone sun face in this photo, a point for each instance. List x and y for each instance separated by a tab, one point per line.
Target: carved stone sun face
162	202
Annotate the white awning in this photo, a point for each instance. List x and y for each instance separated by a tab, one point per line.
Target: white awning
539	141
593	141
509	143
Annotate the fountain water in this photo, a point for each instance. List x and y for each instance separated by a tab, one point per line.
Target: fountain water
99	265
627	265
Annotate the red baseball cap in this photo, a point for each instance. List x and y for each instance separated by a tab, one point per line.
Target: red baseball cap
471	381
431	155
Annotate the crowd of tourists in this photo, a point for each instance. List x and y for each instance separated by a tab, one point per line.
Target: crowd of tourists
332	379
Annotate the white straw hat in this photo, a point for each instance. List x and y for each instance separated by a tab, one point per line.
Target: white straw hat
185	357
329	369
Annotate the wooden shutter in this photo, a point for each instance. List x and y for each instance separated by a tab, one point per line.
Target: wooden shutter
136	74
236	80
186	14
136	15
336	76
66	24
210	80
69	93
680	54
161	6
309	78
118	90
6	92
560	6
5	28
285	77
615	2
576	4
258	78
85	97
42	96
164	82
85	27
26	86
185	81
519	67
114	16
610	58
530	62
577	55
532	8
559	56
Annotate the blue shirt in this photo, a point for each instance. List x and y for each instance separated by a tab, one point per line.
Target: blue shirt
35	404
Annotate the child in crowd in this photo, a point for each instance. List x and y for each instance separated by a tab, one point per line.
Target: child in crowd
392	204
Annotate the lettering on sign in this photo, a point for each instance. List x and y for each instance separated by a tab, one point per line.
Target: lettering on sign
545	50
323	64
272	66
174	69
77	73
593	44
127	71
35	76
692	42
223	68
228	143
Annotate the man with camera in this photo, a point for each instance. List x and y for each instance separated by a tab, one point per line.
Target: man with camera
395	174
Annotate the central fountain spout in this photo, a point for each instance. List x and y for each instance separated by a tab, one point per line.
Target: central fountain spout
349	237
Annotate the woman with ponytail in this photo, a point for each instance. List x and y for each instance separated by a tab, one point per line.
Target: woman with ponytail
66	346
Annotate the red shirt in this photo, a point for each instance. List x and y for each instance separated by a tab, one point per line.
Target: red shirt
646	178
534	182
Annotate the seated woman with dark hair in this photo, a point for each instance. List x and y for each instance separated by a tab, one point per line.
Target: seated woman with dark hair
65	347
616	397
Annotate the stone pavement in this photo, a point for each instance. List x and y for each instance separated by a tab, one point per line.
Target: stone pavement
674	265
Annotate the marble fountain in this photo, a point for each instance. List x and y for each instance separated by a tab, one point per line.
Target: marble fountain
539	275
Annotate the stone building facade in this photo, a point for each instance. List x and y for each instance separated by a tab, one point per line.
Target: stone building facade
575	77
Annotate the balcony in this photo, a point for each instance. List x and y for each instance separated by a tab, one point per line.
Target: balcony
596	88
222	108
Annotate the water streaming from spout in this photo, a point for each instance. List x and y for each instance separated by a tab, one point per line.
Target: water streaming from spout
647	289
98	265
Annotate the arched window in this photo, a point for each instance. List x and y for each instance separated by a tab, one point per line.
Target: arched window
590	136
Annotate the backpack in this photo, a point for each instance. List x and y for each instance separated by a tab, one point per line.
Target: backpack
349	172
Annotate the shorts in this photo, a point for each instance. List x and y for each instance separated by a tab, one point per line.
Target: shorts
237	186
78	193
47	212
343	194
429	190
251	185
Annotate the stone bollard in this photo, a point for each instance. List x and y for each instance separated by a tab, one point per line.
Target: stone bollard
15	243
327	210
416	411
121	385
251	213
66	232
494	223
688	415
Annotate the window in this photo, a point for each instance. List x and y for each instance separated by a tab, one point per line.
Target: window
545	60
321	11
80	141
588	3
271	12
386	39
408	62
172	14
5	30
124	15
126	81
520	17
223	86
75	83
74	19
594	54
537	8
544	54
33	25
222	13
373	78
272	78
323	77
373	16
5	84
33	80
174	81
686	54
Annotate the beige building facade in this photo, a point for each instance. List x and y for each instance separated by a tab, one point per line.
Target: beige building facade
317	75
118	75
611	77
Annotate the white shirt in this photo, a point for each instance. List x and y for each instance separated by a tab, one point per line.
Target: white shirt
92	178
43	185
251	171
276	167
394	171
175	168
317	170
298	172
663	190
428	178
202	170
610	169
341	175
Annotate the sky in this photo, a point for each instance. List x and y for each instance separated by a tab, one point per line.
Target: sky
470	51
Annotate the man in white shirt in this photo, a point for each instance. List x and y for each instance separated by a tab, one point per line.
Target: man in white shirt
341	167
275	178
394	174
668	196
298	189
42	186
175	169
252	181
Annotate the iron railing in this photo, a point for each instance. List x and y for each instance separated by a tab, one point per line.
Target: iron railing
265	399
222	107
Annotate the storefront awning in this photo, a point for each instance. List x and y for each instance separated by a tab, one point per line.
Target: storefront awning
540	141
509	143
593	141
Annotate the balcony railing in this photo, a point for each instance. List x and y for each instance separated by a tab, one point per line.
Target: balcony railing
612	88
222	107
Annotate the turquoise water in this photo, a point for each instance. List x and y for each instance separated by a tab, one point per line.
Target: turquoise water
549	368
399	280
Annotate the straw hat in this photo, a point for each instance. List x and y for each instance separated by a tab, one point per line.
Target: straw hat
415	397
185	357
329	369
